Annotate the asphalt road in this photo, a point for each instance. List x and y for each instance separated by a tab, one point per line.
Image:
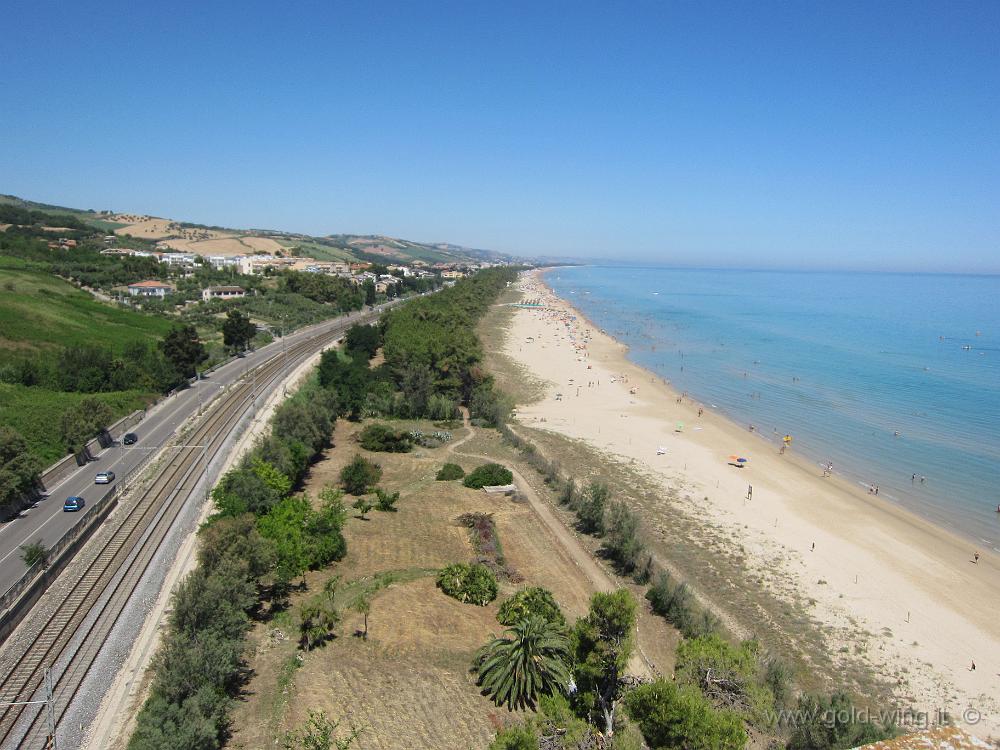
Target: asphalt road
47	522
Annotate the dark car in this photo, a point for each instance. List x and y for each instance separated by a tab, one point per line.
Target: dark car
74	503
130	438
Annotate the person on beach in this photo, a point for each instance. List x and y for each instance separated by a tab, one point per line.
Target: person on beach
701	411
814	547
975	557
914	479
750	497
876	489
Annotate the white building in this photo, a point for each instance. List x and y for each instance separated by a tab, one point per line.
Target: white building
222	292
150	289
178	260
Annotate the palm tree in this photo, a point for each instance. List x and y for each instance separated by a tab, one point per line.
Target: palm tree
531	660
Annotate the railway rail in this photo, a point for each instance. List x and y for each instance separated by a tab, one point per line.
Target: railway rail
71	638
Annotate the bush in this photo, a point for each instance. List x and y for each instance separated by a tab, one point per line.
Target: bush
672	716
488	475
735	673
527	602
590	510
515	738
449	472
380	437
386	501
473	584
833	723
673	602
360	475
622	537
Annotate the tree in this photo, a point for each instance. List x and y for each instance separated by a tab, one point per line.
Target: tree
369	289
362	604
602	644
80	423
386	501
237	330
319	733
363	504
533	601
529	661
590	512
364	340
622	536
34	552
19	470
833	723
182	347
672	716
317	621
360	475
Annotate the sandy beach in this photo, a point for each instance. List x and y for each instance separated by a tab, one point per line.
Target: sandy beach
867	564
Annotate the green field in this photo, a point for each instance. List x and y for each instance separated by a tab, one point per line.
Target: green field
35	412
39	311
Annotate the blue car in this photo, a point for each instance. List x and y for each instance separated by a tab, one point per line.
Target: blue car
74	503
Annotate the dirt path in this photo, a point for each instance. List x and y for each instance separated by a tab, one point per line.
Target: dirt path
599	578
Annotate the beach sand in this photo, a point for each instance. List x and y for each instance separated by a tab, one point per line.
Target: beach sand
875	567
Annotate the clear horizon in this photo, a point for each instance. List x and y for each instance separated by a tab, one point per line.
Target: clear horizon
847	137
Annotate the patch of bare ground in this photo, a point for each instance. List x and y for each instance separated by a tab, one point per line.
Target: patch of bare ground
408	684
752	601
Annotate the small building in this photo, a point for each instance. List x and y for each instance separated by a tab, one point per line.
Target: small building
150	289
452	274
222	292
182	260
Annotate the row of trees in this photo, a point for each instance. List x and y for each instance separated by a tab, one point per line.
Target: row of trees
19	471
261	539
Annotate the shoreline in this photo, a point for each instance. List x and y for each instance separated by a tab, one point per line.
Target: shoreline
874	564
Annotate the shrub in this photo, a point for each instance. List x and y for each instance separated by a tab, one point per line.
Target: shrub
386	502
623	543
380	437
488	475
673	602
360	475
728	675
474	584
833	723
449	472
527	602
515	738
590	510
671	716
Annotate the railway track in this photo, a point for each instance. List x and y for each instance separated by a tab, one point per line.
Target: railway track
74	634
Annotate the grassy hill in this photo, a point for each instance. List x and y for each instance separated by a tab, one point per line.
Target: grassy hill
39	311
39	315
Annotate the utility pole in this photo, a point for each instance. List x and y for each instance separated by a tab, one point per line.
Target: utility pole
49	708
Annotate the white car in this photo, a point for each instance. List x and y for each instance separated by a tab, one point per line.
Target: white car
104	477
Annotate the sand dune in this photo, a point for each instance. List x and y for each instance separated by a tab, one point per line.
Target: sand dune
875	566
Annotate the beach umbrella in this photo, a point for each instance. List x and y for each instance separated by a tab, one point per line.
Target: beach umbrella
742	460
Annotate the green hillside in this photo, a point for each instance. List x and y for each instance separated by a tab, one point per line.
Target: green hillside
39	311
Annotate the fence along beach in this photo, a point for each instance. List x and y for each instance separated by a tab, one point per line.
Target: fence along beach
866	562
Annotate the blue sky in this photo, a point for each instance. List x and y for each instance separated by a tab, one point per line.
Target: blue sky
798	134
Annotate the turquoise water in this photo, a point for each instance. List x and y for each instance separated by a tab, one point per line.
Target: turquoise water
842	361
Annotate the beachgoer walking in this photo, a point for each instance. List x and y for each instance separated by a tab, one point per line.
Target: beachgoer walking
750	492
976	557
923	479
876	489
700	411
814	547
973	667
913	479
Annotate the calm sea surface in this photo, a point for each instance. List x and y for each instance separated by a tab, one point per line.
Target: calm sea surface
842	361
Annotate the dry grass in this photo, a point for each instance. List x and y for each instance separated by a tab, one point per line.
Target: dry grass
408	685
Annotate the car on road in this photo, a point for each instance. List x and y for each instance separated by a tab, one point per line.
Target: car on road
74	503
130	438
104	477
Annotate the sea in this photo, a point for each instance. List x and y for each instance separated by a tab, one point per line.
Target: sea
892	377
